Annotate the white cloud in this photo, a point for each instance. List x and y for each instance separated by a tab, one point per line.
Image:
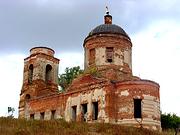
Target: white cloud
11	81
154	24
12	77
70	60
156	57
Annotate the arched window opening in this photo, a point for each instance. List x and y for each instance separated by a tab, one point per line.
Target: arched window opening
84	112
27	97
109	54
95	110
30	74
48	73
74	111
92	55
137	108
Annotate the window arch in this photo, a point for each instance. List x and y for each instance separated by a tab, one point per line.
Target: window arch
30	78
48	73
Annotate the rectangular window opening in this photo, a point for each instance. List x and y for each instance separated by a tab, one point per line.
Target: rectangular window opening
109	60
137	108
74	108
84	112
42	116
32	116
91	56
53	113
109	54
95	110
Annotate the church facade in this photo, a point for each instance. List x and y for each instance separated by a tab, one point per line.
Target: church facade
106	92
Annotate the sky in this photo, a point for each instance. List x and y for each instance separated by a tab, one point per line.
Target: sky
153	26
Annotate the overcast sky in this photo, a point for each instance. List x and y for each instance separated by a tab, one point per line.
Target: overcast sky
153	25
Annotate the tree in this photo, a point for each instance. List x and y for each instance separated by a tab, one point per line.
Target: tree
70	73
169	121
11	111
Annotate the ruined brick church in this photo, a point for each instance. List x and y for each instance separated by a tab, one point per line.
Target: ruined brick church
106	92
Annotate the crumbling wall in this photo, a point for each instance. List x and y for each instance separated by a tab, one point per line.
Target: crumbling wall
46	104
34	79
87	97
63	104
86	90
148	91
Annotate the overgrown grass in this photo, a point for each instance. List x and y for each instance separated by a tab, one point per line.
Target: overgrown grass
10	126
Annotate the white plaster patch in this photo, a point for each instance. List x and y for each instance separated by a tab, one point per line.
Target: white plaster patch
96	95
102	115
124	109
68	109
100	53
118	60
124	93
127	57
154	128
148	97
151	106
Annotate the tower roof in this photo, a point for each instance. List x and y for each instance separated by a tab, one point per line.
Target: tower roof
108	27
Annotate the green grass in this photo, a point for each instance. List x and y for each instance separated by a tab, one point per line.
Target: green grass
10	126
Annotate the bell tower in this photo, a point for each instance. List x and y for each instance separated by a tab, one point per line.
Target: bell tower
40	75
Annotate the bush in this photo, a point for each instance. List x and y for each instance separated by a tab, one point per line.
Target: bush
169	121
